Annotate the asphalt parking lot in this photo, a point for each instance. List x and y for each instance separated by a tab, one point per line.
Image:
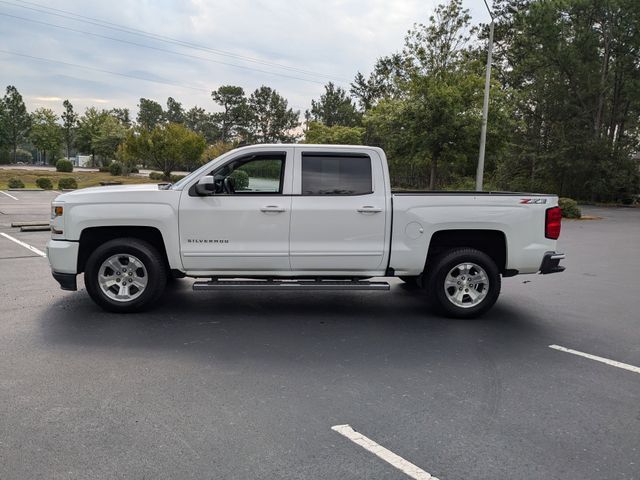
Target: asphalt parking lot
248	384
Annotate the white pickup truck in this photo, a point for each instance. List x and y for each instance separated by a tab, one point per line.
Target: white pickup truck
299	217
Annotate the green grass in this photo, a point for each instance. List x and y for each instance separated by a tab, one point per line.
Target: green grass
84	179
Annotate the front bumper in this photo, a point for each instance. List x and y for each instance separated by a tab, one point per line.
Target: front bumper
67	281
551	263
63	258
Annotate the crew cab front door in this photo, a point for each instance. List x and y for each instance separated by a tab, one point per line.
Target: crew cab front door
243	227
339	212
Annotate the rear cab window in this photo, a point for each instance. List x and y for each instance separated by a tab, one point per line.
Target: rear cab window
336	174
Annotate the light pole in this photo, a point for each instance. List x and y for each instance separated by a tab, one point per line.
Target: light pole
485	107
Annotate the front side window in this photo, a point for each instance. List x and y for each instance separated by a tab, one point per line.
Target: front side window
336	174
256	174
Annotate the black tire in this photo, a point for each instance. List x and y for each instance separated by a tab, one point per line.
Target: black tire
147	254
445	263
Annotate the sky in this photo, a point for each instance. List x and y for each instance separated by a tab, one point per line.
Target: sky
108	54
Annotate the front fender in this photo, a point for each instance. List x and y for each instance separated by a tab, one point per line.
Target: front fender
163	217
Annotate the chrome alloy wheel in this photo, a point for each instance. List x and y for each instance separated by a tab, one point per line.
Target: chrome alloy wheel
466	285
122	277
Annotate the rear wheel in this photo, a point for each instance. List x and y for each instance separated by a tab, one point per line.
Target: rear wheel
125	275
463	283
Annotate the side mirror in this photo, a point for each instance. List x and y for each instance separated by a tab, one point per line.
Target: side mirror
205	186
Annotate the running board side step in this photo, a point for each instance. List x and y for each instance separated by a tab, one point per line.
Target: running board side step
290	285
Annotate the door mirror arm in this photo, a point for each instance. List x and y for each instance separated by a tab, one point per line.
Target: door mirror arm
205	186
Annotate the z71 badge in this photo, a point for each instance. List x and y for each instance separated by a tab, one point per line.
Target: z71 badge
533	201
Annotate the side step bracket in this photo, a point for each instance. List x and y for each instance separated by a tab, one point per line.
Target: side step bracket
290	285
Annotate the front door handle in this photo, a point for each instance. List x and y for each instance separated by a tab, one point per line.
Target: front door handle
272	209
369	209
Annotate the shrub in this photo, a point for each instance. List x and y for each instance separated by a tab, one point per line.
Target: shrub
15	183
175	178
115	169
569	208
63	165
156	176
241	178
44	183
67	183
104	169
134	170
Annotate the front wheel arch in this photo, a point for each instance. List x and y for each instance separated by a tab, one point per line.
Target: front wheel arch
91	238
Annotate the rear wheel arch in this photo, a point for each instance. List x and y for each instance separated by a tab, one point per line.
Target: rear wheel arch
491	242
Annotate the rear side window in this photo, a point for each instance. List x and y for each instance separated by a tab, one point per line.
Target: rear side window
336	174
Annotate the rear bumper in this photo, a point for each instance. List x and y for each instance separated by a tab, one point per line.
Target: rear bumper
551	263
67	281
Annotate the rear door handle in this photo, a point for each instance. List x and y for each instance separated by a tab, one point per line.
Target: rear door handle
369	209
272	209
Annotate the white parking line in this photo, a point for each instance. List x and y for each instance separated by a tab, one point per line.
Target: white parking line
613	363
387	455
25	245
9	195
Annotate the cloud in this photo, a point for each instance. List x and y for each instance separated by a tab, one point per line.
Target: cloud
292	46
47	99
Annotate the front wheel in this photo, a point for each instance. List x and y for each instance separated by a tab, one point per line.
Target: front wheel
125	275
463	283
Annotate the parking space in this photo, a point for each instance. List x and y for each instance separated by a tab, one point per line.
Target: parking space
24	205
241	385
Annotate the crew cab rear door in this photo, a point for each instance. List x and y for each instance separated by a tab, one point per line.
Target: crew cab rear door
339	211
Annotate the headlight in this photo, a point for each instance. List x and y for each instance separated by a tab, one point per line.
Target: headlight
57	219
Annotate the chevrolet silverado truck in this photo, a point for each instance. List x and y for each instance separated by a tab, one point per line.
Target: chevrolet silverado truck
299	217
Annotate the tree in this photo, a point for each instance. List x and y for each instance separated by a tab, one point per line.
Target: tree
200	121
386	81
334	108
215	150
4	139
337	134
109	134
89	126
234	116
174	112
45	132
15	119
440	45
69	122
364	91
166	147
271	119
122	114
150	114
429	98
574	67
